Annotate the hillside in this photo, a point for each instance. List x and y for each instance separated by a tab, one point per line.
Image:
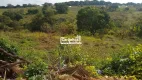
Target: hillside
36	38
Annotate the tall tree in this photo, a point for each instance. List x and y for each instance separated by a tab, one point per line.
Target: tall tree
10	6
45	7
92	19
61	8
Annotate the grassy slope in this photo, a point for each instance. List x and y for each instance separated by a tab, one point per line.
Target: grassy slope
38	43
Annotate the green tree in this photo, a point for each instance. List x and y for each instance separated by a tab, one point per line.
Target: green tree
4	22
15	25
45	7
13	15
113	7
49	16
92	19
43	22
36	23
4	19
33	11
61	8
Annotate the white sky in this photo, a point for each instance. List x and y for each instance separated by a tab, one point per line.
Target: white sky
14	2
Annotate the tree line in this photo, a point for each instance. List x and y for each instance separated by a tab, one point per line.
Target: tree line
19	6
101	2
75	3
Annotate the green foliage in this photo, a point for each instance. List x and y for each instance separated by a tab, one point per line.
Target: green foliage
139	26
92	70
4	19
126	9
66	28
4	44
4	27
46	28
4	22
36	23
37	68
13	15
92	19
126	62
42	22
46	7
7	24
70	53
113	7
61	8
49	16
33	11
15	25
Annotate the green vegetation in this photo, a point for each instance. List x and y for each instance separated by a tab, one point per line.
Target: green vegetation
13	15
32	11
89	19
125	62
61	8
34	33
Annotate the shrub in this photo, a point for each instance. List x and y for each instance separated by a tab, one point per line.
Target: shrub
33	11
138	27
45	7
6	23
66	28
113	7
13	15
5	20
36	23
46	28
15	25
41	22
2	26
126	62
92	70
4	44
61	8
38	67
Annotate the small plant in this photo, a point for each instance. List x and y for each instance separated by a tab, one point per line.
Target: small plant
37	68
92	70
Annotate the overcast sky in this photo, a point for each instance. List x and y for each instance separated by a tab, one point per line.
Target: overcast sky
14	2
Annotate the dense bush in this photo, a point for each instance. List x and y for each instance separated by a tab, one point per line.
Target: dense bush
7	24
49	16
70	54
61	8
36	23
113	7
33	11
92	19
37	68
66	28
13	15
15	25
43	22
126	62
139	26
139	9
4	44
5	20
45	7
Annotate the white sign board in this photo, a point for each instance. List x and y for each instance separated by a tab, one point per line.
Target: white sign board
76	40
